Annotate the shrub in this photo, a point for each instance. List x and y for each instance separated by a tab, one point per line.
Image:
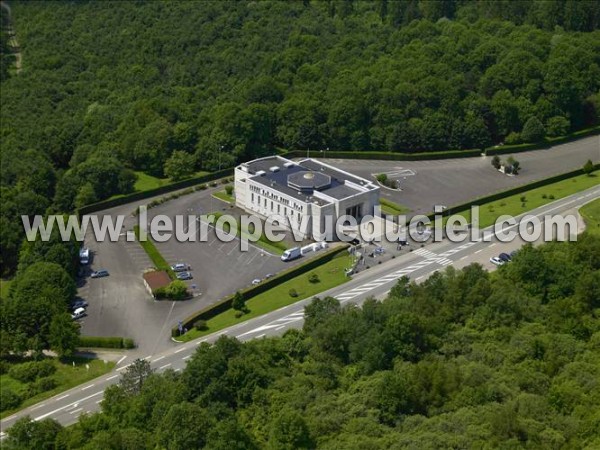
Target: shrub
213	184
293	293
239	314
313	278
128	343
588	167
557	126
544	196
382	178
551	196
105	342
229	189
239	302
513	138
523	198
496	162
42	385
29	371
176	290
200	325
9	399
4	366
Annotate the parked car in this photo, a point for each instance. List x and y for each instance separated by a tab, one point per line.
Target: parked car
100	273
497	261
78	313
291	254
269	275
78	304
504	257
256	281
180	267
184	275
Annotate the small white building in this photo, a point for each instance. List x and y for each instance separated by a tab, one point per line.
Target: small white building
277	186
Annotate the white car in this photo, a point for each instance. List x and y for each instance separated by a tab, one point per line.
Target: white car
256	281
180	267
78	313
497	261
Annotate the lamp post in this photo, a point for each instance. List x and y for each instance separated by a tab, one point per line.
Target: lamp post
220	150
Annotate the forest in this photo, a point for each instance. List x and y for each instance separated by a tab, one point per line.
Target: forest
467	359
169	88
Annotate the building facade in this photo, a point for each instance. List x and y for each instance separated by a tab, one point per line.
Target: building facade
309	194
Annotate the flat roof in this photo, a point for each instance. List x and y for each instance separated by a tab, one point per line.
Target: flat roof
278	180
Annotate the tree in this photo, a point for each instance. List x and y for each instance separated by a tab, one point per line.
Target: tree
533	130
289	431
496	162
28	433
319	310
64	335
134	377
588	167
239	302
557	126
229	190
180	165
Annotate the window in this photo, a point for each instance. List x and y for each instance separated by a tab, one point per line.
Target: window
252	197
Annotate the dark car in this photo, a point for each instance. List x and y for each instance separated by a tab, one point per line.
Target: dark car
184	275
79	304
504	257
100	273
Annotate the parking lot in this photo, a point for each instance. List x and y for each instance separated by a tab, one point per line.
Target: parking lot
119	305
452	181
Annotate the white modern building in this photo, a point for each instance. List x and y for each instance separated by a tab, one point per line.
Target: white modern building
277	186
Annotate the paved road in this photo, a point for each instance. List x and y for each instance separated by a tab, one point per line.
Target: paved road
375	282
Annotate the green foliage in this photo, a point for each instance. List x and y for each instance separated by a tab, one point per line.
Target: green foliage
229	190
239	302
496	162
293	293
105	342
177	290
313	278
180	165
9	399
30	371
557	126
135	376
588	167
533	130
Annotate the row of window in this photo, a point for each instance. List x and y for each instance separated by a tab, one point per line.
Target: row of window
275	197
265	204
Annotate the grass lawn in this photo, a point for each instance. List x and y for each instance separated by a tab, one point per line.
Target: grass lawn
66	377
222	195
276	248
153	253
392	208
4	287
514	204
591	215
146	182
331	274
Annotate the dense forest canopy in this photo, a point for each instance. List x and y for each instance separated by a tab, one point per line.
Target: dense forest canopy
107	88
467	359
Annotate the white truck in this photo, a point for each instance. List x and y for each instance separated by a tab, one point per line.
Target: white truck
291	254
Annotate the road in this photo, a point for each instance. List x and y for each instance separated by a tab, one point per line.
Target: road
375	282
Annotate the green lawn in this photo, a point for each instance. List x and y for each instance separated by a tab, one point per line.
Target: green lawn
66	377
514	204
331	274
157	259
591	215
4	287
276	248
222	195
146	182
392	208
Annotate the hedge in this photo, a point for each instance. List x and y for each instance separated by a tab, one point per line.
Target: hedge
105	204
225	303
516	190
547	143
105	342
388	156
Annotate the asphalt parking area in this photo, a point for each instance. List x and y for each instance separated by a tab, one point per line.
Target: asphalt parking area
452	181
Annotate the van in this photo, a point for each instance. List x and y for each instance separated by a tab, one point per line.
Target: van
291	254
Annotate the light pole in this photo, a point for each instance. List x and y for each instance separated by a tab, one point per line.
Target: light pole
220	150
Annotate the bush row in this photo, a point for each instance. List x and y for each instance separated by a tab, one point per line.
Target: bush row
105	342
32	370
225	303
516	190
547	143
388	156
105	204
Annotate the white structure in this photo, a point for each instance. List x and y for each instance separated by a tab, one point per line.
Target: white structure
277	186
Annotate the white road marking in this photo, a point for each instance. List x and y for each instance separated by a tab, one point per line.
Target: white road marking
43	416
38	406
121	360
87	387
60	398
159	358
164	367
75	411
479	251
260	335
186	357
124	367
180	349
280	328
112	378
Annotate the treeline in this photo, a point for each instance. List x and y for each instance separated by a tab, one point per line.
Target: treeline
467	359
174	87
